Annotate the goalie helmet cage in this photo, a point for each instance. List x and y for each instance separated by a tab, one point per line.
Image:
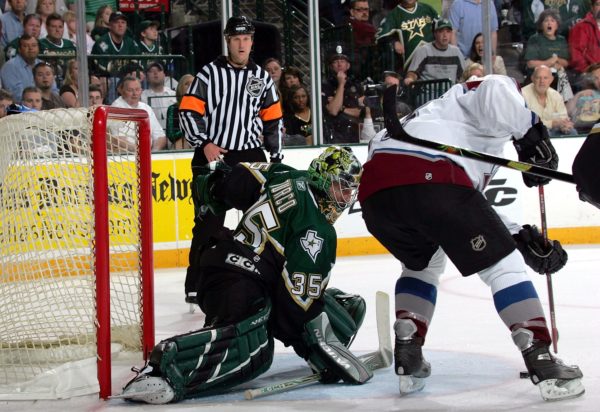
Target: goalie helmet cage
76	259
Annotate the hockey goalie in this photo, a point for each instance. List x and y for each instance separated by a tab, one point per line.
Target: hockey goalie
265	280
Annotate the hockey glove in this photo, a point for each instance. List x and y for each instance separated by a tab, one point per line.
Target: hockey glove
204	184
535	148
541	256
328	356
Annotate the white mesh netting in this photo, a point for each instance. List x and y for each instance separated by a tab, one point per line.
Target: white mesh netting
47	255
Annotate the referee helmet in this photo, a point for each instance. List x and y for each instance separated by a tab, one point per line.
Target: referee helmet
238	25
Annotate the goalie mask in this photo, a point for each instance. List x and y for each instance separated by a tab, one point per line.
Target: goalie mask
335	174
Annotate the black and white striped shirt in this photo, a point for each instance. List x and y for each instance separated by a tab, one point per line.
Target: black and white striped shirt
232	108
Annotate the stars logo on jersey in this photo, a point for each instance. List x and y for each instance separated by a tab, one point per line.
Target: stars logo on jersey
255	86
301	185
312	244
478	243
415	26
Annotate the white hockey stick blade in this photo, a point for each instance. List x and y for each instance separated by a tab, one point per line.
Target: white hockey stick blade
382	310
382	358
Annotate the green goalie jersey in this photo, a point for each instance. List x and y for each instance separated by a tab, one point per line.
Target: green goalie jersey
290	243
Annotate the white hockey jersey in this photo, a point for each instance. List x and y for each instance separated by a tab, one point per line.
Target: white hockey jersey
481	116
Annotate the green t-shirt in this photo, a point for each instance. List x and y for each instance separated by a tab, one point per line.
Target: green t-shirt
104	45
539	47
92	6
410	27
64	46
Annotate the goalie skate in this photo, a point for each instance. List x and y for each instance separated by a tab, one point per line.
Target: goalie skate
410	365
149	389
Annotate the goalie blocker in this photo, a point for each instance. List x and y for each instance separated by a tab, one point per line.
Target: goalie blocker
213	360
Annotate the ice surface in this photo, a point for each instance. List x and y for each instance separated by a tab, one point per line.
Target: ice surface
475	366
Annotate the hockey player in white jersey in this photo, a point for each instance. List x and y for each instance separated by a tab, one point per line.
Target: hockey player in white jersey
423	206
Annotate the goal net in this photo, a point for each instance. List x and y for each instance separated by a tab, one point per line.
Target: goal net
76	249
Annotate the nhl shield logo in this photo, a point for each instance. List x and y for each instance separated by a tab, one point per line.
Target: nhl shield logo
478	243
255	86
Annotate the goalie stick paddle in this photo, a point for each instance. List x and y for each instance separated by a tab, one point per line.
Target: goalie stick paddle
396	131
382	358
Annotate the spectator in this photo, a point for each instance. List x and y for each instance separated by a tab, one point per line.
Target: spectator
158	96
95	95
16	74
291	76
69	90
342	100
44	78
362	29
298	123
31	26
570	13
439	59
550	49
11	23
476	56
584	107
274	68
407	26
547	103
130	90
32	98
61	6
530	12
70	33
6	99
114	43
174	132
148	42
96	81
473	70
465	16
584	40
54	42
45	8
101	20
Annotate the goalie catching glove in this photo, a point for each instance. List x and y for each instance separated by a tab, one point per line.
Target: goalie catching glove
535	148
541	256
329	357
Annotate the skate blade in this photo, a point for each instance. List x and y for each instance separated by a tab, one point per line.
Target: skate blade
410	384
148	389
557	390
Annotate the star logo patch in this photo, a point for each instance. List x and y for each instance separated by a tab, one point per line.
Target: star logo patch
312	244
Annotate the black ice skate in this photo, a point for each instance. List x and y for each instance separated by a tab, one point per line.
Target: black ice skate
408	356
555	380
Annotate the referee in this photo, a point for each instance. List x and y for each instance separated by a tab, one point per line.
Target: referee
229	111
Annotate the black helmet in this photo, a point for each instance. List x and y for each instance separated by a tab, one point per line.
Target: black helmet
238	25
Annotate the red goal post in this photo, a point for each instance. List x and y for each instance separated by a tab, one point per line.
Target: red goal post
76	263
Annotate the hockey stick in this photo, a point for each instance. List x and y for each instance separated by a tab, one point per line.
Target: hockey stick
382	358
548	275
397	132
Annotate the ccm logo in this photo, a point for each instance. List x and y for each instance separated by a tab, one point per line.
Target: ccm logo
240	261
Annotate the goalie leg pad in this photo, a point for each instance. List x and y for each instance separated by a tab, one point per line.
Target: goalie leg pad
328	356
346	313
211	360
